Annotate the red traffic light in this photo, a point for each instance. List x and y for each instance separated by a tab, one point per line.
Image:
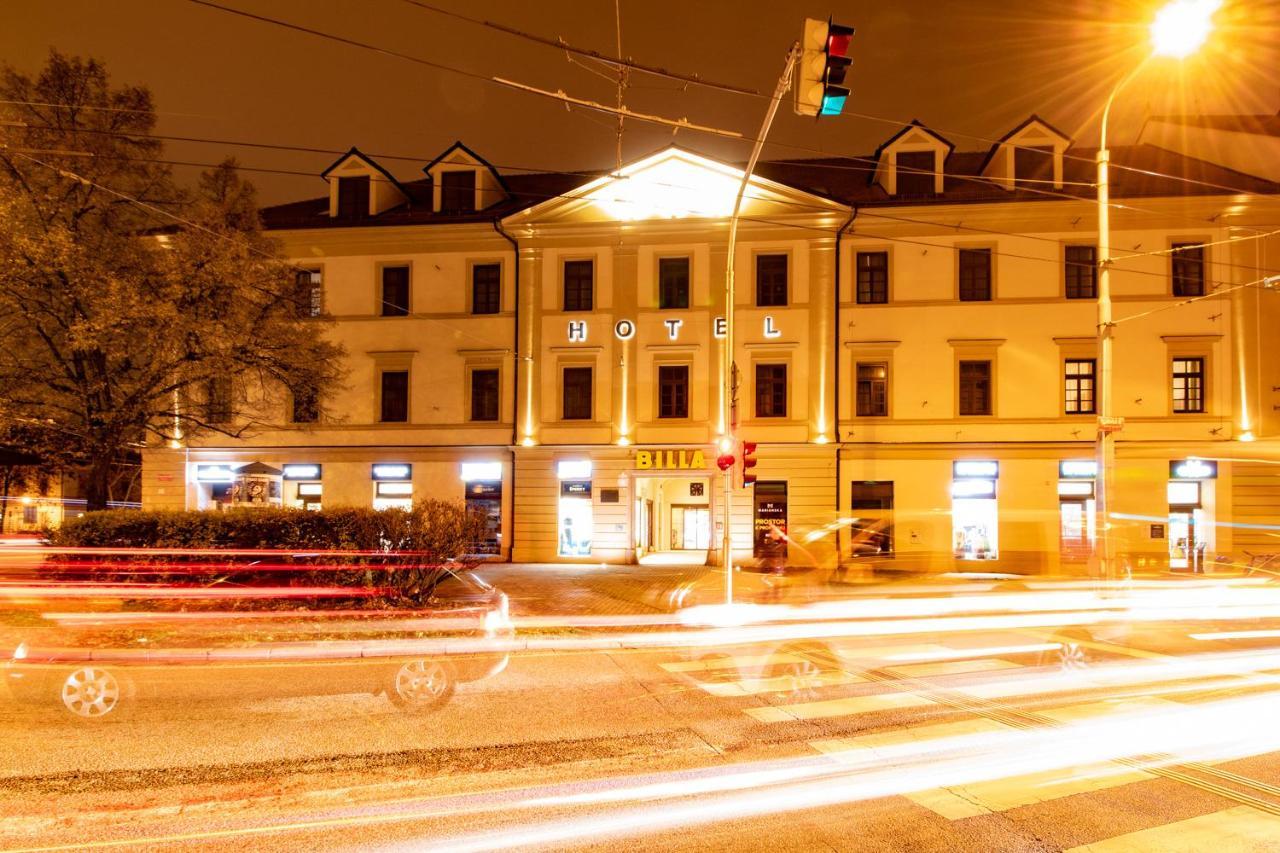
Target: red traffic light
725	461
839	37
748	462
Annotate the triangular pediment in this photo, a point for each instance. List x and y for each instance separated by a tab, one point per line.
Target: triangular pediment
674	183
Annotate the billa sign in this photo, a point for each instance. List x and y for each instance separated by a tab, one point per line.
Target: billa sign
670	460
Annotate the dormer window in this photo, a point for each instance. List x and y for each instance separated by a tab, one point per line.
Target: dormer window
915	172
1033	166
1028	157
353	197
458	191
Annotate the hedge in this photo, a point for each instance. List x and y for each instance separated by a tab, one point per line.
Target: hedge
402	552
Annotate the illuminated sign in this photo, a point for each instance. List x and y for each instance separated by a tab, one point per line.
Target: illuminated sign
673	328
392	471
573	469
975	468
769	330
481	471
577	331
973	488
670	460
309	490
1075	489
302	472
1078	469
1193	469
624	329
215	473
1183	493
388	490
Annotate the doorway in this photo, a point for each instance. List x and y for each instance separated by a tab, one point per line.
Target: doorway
672	520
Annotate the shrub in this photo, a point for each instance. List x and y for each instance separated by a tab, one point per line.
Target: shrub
402	552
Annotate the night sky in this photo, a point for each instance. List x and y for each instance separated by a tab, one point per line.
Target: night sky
971	69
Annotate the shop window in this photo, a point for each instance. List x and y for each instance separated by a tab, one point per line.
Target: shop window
308	293
1077	524
1078	379
484	395
975	388
309	496
1081	272
577	393
576	521
770	527
1188	269
579	285
872	529
395	291
486	288
771	281
873	278
1188	385
673	391
353	197
393	495
771	390
1187	528
484	498
974	519
873	389
915	172
975	275
458	191
673	282
395	396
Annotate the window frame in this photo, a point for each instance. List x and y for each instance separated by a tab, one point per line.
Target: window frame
915	173
688	282
990	407
381	285
309	296
871	284
564	285
475	266
786	282
564	389
219	408
963	252
453	191
757	390
1068	378
360	212
883	381
383	372
294	400
1070	267
1202	374
472	401
661	387
1178	250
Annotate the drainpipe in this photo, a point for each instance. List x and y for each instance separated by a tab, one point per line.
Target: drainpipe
836	403
515	381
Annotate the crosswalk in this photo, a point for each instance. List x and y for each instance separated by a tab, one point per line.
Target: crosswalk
983	694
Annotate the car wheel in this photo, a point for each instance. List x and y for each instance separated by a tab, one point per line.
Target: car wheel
89	693
423	684
1072	654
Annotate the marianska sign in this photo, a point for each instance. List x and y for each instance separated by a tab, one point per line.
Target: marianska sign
670	460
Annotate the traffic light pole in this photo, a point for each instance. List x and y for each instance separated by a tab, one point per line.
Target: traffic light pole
730	389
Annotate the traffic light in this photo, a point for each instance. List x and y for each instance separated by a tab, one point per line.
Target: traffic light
824	62
725	461
748	462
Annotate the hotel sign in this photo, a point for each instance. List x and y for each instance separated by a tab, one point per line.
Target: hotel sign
670	460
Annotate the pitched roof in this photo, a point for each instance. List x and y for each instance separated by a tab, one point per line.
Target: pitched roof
1259	125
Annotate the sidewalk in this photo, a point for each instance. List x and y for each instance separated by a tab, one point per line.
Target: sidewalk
540	589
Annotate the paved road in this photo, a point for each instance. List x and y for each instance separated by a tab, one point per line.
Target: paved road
839	731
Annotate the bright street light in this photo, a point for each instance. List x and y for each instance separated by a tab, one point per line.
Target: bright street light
1182	26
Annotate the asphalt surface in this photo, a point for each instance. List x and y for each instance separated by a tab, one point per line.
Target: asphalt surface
938	725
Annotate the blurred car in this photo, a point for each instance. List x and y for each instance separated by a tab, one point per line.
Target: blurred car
94	666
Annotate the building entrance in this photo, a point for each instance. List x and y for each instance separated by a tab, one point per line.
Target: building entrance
672	521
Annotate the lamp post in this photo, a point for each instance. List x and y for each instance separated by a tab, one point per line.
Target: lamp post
1177	31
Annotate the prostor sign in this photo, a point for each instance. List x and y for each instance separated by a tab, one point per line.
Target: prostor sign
670	460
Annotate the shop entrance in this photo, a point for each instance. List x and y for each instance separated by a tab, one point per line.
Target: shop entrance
672	522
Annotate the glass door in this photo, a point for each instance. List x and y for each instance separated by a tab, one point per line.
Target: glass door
697	528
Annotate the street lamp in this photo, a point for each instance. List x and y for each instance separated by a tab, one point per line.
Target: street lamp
1179	29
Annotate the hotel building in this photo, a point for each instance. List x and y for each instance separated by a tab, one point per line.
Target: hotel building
914	341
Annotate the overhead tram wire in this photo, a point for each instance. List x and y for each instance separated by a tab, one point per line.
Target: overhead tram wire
896	122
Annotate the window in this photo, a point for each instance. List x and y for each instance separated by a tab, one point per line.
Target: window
1079	375
308	294
306	406
771	390
353	197
975	387
577	393
915	173
975	275
1188	385
1188	269
395	291
484	395
217	401
770	522
486	288
30	515
873	278
771	280
871	533
673	391
395	396
457	191
673	282
578	285
873	389
1081	272
1032	166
